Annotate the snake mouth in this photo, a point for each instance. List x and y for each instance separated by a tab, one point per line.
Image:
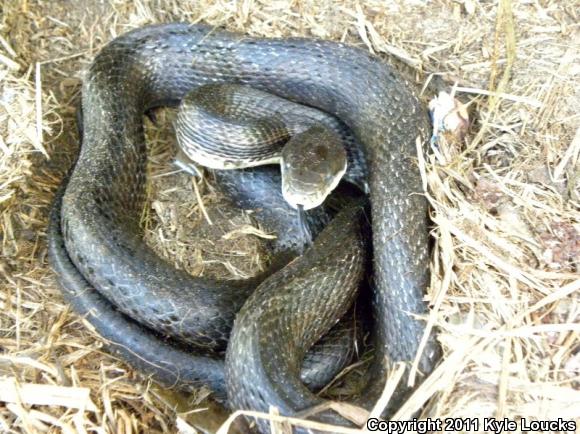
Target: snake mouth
301	200
309	195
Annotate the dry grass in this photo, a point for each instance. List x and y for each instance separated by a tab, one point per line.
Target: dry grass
505	204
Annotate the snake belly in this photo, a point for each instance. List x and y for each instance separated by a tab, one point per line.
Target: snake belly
157	65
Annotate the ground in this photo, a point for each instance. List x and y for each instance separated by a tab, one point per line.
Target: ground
504	202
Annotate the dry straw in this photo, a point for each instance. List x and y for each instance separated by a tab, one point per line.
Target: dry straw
505	206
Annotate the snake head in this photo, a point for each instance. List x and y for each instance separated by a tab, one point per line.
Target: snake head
313	163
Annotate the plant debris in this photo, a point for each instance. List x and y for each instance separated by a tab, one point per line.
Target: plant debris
504	203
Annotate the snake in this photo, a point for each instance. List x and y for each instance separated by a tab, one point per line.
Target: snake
95	240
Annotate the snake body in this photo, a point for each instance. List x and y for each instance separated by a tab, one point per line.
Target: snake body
157	65
168	361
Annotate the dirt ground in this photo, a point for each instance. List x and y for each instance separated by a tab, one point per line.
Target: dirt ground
505	204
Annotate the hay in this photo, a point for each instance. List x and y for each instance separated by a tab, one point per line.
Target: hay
505	205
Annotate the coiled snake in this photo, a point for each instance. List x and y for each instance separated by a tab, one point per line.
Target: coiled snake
95	236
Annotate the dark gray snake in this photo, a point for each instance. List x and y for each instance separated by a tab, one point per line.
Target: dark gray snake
95	240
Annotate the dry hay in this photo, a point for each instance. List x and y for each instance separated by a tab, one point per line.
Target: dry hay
505	284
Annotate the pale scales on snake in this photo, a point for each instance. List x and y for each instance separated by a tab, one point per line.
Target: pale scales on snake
157	65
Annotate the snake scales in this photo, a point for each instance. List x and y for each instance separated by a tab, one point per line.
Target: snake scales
95	236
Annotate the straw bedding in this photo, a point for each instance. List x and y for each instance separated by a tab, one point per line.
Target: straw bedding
505	205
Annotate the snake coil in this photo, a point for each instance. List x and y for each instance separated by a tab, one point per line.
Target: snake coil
102	202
